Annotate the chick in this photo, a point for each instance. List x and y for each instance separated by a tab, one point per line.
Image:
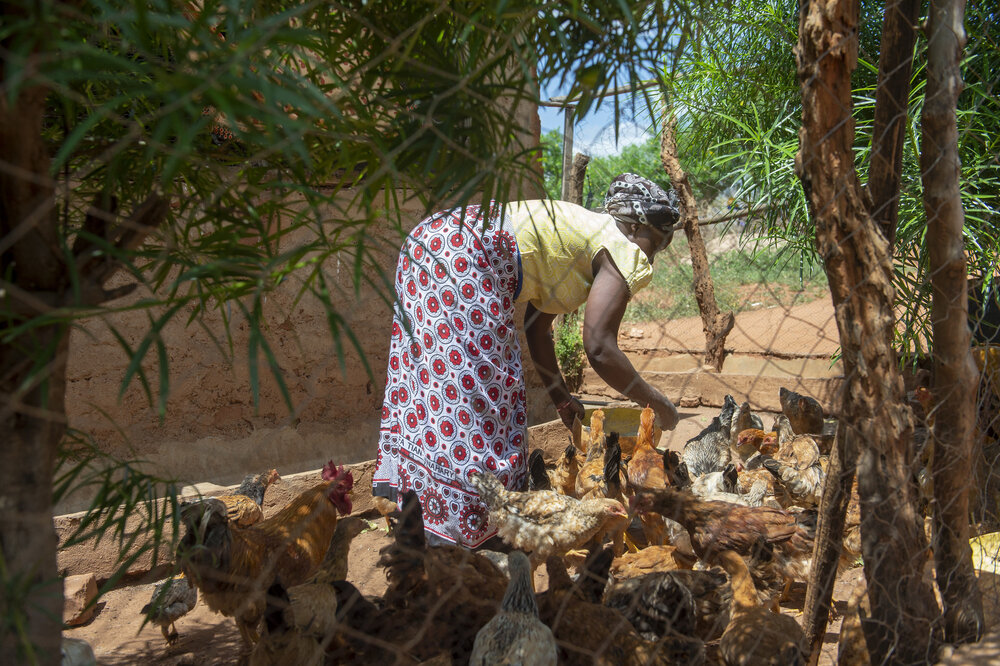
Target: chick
172	599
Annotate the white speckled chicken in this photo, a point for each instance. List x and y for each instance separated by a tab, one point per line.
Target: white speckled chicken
172	599
515	635
710	450
798	471
545	522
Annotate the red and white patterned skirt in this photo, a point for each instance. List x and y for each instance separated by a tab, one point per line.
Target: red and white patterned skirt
454	394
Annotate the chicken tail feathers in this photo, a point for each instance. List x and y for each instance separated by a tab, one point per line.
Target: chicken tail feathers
613	464
274	612
410	528
771	465
807	520
594	577
538	479
490	490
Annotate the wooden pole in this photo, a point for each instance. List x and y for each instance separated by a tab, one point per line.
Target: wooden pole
567	161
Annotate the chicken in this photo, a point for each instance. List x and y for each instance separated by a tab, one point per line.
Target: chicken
563	477
804	414
677	471
646	470
334	565
600	474
651	560
307	623
798	471
172	599
923	441
245	506
233	567
756	636
692	603
386	507
294	631
588	632
753	473
783	427
708	486
718	526
437	598
545	523
709	451
516	635
761	441
743	419
357	619
538	476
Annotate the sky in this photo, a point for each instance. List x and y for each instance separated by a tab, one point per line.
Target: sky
595	133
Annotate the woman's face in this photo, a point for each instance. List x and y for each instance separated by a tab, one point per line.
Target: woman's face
661	239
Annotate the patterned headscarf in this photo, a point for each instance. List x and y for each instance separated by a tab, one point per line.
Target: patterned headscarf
636	200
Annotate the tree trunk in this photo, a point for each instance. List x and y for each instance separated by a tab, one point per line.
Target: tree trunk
859	269
580	162
32	390
715	324
891	101
954	383
829	537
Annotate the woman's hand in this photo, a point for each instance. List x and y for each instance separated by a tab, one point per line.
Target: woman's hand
666	413
569	409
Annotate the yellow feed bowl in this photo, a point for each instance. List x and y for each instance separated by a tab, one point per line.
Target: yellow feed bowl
624	421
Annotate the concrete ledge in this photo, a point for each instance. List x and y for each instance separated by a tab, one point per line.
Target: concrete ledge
101	557
710	389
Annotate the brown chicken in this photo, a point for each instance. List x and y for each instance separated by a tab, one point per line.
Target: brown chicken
301	620
174	598
588	632
545	523
755	636
743	419
719	526
804	414
437	598
245	506
386	507
299	624
515	635
798	472
601	473
759	440
233	567
646	470
755	473
563	477
651	559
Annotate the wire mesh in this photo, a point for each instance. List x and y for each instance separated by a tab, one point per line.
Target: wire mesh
462	397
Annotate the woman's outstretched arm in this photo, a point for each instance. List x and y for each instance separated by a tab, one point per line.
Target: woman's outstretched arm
606	304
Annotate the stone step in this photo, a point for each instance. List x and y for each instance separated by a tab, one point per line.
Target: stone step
699	388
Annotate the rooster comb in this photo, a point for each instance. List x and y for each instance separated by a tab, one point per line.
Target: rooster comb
331	472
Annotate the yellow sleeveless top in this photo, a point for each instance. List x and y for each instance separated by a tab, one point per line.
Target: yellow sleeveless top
558	241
